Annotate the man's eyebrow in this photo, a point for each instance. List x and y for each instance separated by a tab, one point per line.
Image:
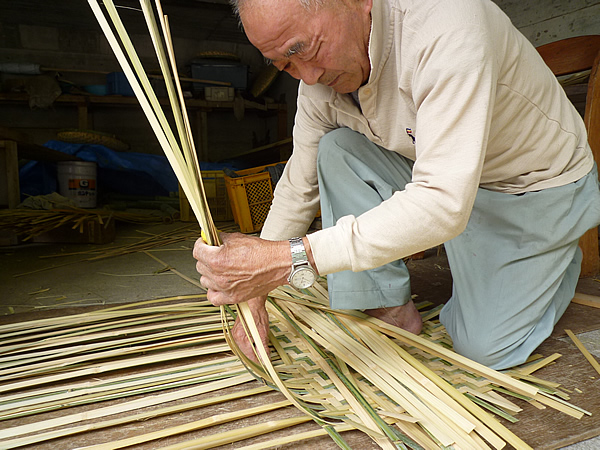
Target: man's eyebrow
298	47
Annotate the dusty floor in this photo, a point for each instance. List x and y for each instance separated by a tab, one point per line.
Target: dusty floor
37	277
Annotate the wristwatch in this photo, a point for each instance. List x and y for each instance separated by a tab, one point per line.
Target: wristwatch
303	275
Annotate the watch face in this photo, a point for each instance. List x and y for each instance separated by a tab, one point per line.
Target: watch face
303	278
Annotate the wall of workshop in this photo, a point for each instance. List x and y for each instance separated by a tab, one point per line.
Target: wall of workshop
544	21
66	36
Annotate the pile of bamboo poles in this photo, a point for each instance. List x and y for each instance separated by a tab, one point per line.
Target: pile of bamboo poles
70	377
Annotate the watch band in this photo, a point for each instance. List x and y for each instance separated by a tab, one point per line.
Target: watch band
298	251
302	275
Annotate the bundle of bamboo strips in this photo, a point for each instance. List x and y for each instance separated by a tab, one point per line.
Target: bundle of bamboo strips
343	371
180	151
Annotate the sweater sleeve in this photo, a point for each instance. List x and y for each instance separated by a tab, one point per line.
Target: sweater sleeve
453	90
296	198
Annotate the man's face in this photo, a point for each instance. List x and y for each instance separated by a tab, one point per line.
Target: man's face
327	46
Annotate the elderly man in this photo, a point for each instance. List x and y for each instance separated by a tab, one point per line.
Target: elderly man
419	122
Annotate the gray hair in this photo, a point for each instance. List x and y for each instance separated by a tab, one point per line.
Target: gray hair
239	5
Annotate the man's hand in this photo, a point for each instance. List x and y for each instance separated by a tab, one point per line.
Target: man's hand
243	267
261	317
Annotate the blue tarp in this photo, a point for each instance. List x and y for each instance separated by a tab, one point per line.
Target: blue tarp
127	173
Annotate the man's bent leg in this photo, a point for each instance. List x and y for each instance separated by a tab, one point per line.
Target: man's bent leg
515	269
356	175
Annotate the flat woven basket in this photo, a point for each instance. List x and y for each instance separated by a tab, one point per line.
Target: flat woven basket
92	137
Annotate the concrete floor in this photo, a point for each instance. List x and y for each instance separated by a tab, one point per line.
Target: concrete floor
27	284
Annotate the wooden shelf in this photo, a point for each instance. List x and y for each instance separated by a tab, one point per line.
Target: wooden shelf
119	100
199	109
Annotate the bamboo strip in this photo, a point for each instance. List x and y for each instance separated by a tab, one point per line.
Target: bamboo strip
33	326
293	438
102	330
475	410
192	426
228	437
370	426
117	389
11	372
153	112
176	272
584	351
122	407
176	329
387	357
63	432
106	367
245	312
529	369
367	415
73	388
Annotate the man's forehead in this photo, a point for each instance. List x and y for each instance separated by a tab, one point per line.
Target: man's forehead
274	33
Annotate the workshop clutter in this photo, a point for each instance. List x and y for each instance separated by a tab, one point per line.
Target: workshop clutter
251	193
216	195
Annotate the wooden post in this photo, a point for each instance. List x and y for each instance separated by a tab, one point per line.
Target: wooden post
202	135
10	193
590	265
83	117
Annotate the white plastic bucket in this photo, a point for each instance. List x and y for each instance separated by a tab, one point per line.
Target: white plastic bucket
77	182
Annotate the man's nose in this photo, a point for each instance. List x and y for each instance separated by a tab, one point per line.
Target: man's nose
307	72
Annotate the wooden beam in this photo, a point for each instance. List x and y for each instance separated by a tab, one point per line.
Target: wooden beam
590	265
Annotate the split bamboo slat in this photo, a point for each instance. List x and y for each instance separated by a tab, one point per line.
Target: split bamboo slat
341	369
584	351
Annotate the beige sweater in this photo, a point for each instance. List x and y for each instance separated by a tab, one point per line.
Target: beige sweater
485	110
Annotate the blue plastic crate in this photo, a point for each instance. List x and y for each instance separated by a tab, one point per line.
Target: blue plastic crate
117	84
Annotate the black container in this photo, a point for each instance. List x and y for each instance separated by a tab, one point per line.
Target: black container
219	70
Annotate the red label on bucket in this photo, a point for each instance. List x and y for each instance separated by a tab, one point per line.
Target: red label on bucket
82	184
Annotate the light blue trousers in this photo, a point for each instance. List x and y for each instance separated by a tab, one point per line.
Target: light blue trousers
514	268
